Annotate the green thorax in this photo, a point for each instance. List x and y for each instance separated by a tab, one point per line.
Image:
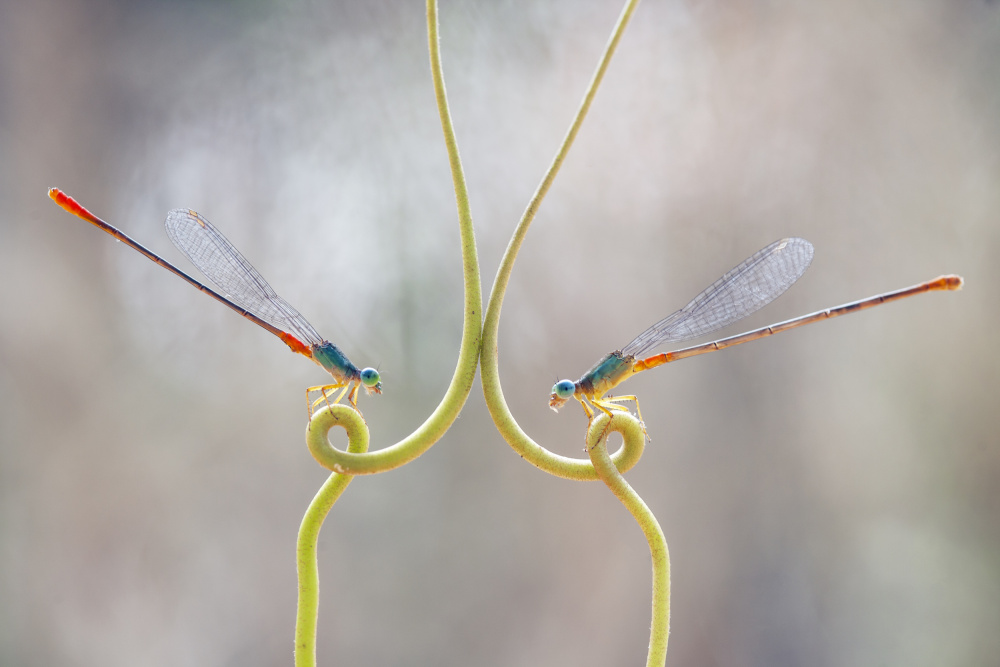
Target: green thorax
605	374
329	356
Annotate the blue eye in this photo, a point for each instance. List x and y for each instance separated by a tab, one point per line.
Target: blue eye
564	389
369	377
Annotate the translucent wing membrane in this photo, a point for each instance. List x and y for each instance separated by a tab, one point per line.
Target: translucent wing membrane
758	281
223	264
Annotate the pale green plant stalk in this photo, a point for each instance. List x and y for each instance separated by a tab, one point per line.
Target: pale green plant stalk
607	468
609	474
306	562
357	460
465	372
570	468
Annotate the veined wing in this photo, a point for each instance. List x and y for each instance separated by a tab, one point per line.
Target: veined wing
756	282
225	266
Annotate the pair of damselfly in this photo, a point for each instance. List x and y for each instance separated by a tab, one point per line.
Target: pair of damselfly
753	284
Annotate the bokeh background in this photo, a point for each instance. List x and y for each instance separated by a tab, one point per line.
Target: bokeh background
830	496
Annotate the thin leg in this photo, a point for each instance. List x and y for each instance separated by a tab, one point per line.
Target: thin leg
353	397
603	408
622	399
610	403
310	404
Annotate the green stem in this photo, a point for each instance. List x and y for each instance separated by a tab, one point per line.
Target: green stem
609	474
607	468
515	436
465	372
308	570
357	460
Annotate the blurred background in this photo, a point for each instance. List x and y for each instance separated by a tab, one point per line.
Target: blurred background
830	496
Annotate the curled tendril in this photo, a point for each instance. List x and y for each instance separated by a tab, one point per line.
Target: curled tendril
631	431
308	567
357	460
630	428
468	357
581	469
318	441
607	468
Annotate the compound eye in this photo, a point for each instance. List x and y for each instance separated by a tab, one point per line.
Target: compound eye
564	389
369	377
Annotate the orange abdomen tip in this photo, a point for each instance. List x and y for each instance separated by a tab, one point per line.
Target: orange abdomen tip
58	196
70	204
948	282
953	282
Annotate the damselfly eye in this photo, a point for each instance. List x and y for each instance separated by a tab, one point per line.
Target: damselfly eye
369	377
564	389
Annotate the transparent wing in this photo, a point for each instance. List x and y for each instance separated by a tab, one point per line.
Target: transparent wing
758	281
223	264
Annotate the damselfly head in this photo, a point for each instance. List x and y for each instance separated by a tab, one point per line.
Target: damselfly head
371	381
562	391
